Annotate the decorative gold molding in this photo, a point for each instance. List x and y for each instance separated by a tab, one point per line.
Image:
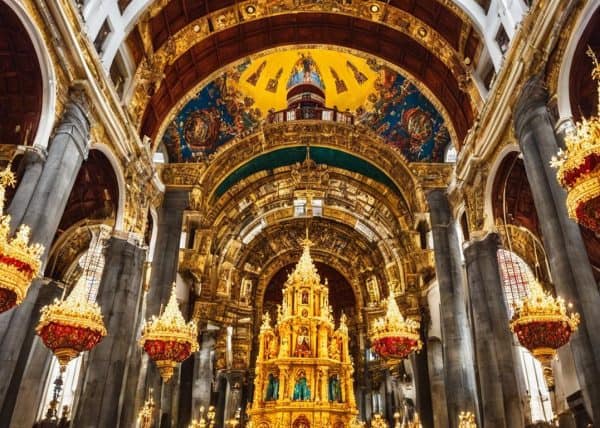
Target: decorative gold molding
225	18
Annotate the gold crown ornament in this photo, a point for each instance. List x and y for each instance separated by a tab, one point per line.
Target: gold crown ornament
168	340
394	337
578	167
19	261
71	326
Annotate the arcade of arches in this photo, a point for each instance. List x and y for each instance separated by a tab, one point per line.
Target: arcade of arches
197	142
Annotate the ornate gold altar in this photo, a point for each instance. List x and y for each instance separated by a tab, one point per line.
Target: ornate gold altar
303	369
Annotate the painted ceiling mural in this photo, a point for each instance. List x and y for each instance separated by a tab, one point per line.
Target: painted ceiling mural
235	103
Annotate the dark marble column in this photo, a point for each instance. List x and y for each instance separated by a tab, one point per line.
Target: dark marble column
569	265
459	362
203	372
41	208
164	271
435	360
103	395
420	365
31	167
498	385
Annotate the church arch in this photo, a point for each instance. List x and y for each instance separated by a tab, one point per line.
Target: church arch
588	20
47	94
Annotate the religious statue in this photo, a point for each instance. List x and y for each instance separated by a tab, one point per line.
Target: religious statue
305	297
272	388
301	389
373	290
196	198
334	349
303	343
246	290
335	389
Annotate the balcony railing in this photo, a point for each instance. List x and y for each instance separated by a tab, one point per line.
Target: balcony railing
310	113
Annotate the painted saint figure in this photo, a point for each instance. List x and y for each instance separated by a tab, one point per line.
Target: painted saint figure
301	389
335	389
272	388
303	343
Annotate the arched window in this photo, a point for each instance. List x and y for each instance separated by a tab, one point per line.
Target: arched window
516	276
451	153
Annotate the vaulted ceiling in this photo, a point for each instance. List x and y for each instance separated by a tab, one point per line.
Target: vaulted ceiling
20	81
407	34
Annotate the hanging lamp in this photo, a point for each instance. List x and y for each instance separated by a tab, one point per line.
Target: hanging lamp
168	340
19	261
578	167
393	337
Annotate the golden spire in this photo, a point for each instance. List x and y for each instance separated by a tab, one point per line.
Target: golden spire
305	273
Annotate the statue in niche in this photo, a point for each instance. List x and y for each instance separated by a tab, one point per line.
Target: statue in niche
224	284
301	389
196	198
271	347
305	297
334	349
373	290
303	343
245	290
272	388
335	388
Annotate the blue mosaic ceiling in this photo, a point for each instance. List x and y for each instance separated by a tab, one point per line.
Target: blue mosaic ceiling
236	102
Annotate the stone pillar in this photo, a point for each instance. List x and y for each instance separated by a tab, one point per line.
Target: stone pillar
31	166
435	361
461	392
41	208
568	260
164	271
103	395
423	388
498	383
203	373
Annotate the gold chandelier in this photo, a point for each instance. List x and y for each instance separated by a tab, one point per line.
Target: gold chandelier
466	420
146	414
579	166
71	326
542	325
168	340
393	337
19	261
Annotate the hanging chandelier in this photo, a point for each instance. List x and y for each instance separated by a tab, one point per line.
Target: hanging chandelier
466	420
579	166
145	416
542	325
168	340
393	337
71	326
19	261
